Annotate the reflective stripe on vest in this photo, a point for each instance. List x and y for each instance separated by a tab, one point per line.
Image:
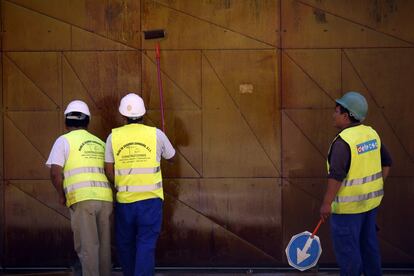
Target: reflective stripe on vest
137	171
359	198
140	188
84	177
363	180
362	188
83	170
85	184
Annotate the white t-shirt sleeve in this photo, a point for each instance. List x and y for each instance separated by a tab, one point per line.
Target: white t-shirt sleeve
59	153
164	146
109	153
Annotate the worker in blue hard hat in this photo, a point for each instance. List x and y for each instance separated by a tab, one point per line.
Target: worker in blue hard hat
358	164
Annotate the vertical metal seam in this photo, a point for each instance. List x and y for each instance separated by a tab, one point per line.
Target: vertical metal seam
140	50
342	71
61	92
2	183
280	74
201	114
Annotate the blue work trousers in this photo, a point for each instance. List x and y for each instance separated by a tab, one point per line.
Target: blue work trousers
356	244
137	228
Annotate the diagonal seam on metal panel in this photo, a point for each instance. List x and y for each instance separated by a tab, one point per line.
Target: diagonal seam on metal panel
41	202
379	108
24	135
177	150
68	23
80	80
304	134
214	24
289	180
274	165
226	230
354	22
31	80
308	75
175	83
408	254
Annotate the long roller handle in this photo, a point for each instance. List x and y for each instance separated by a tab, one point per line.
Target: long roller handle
158	58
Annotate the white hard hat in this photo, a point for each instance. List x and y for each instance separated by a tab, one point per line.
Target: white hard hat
77	106
132	106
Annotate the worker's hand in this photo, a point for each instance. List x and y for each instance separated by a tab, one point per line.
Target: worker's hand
325	211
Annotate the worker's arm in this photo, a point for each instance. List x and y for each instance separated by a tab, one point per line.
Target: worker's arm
109	162
385	172
330	194
339	161
109	171
110	174
56	175
386	161
167	150
173	159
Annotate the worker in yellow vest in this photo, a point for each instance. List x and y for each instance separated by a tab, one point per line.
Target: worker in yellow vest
358	164
132	162
76	164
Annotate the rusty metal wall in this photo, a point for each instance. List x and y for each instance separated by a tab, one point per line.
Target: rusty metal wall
249	92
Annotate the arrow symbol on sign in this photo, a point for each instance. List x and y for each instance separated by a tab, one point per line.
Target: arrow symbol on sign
302	255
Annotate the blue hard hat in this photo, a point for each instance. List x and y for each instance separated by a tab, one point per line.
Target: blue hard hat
355	103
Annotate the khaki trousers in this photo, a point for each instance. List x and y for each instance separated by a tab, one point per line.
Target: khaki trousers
91	226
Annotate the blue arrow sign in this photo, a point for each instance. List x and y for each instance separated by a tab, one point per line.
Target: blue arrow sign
303	252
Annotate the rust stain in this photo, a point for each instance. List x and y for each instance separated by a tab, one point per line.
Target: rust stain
112	12
380	10
118	19
112	19
109	114
257	9
219	5
320	16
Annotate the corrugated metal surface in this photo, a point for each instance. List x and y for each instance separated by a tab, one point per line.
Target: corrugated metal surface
249	92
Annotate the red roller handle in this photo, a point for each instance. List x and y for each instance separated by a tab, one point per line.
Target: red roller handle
157	50
158	58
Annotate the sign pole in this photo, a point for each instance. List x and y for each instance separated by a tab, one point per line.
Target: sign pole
316	228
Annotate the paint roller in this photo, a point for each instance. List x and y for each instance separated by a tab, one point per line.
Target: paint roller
158	34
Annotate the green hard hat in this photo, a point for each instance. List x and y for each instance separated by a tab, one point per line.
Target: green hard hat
355	103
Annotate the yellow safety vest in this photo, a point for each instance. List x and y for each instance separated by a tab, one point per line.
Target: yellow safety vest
137	171
362	189
84	176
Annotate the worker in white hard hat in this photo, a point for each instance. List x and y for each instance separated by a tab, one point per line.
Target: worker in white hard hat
132	162
358	164
76	164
